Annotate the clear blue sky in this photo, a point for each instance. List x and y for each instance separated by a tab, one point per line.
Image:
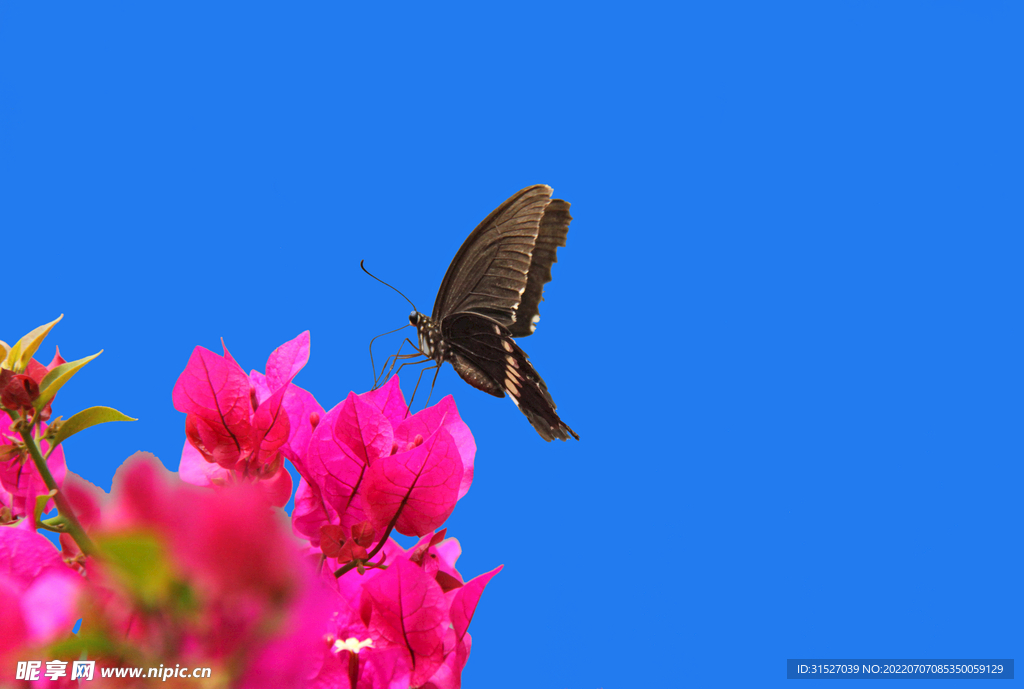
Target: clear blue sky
787	324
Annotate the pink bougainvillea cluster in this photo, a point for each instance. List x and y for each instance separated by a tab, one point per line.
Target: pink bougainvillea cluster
199	568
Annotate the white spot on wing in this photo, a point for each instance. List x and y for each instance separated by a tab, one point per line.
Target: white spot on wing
506	345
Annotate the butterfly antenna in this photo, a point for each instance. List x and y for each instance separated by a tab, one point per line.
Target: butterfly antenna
386	284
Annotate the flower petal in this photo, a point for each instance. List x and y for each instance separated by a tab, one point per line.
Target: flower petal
287	360
423	483
409	611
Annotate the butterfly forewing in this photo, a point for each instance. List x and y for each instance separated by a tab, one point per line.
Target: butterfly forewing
554	227
489	273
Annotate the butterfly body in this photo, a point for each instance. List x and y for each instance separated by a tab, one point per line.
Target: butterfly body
491	294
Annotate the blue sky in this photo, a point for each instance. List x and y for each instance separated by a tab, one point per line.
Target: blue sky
786	325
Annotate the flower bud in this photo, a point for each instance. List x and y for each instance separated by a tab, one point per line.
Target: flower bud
19	392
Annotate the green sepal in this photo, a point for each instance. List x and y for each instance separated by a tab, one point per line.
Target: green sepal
56	378
40	508
84	419
57	523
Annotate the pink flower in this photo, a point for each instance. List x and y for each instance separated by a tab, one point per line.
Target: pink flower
368	462
38	592
207	578
240	428
405	625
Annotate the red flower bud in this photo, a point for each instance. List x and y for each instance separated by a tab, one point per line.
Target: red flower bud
362	533
19	392
331	539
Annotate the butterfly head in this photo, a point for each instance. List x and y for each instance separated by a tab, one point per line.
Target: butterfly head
429	334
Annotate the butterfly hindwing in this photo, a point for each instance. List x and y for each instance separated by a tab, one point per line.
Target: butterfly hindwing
485	355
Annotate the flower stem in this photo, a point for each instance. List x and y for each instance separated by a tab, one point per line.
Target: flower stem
387	534
74	527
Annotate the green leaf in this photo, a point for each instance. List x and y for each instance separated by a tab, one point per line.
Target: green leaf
56	378
85	418
27	346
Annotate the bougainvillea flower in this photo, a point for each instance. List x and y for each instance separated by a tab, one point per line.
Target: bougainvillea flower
19	477
84	498
387	601
46	588
18	391
12	621
210	578
244	424
437	556
405	608
349	657
26	554
194	469
366	459
444	414
51	604
417	489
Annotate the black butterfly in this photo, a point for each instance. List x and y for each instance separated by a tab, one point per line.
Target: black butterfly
491	294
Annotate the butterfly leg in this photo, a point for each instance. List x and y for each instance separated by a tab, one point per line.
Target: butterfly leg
372	364
382	378
409	406
432	384
410	363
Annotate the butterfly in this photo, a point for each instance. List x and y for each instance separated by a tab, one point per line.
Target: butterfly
491	295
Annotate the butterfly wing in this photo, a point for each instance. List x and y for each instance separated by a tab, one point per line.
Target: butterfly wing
485	355
490	272
554	226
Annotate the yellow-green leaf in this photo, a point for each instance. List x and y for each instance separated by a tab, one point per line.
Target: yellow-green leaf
56	378
28	345
85	418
